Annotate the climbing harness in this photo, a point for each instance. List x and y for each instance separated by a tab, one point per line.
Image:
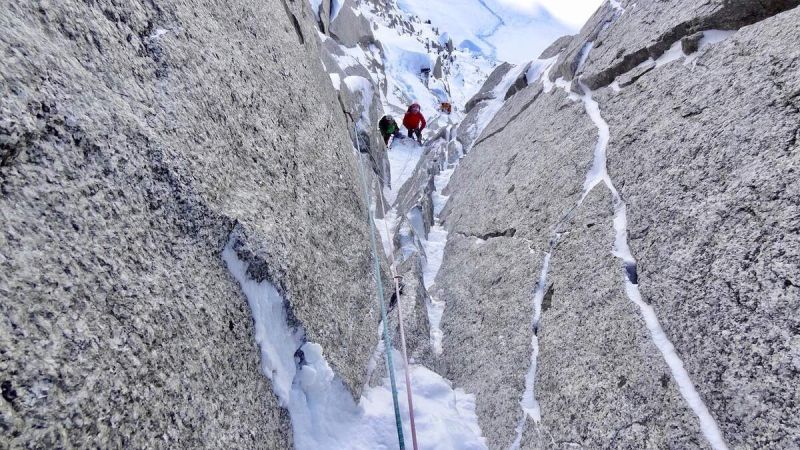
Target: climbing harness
387	340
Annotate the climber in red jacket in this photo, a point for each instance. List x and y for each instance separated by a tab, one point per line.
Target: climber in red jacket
414	121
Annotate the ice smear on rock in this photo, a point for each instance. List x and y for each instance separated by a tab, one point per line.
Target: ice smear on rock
529	404
621	250
322	411
598	173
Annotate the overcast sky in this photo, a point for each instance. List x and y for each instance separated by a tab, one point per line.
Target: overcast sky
572	13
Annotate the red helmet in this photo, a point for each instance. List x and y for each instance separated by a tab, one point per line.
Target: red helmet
414	107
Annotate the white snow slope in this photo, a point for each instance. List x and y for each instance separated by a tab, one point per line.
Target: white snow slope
323	414
491	28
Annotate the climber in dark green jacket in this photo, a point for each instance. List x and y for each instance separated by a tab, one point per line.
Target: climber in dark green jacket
389	129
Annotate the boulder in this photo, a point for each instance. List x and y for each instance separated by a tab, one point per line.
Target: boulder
350	27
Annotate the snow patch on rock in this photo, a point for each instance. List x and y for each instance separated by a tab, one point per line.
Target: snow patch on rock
322	410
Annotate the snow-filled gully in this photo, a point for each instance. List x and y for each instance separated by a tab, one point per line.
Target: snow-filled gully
432	245
322	410
598	174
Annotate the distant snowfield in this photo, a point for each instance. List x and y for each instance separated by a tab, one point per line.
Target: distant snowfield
492	28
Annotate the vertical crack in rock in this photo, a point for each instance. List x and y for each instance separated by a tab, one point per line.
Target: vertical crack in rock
295	23
598	173
621	250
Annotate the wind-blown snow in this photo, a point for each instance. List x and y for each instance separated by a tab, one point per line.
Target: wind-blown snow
322	411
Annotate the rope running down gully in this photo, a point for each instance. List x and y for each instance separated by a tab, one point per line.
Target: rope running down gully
386	336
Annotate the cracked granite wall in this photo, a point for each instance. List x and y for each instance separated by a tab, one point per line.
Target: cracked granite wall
134	138
705	155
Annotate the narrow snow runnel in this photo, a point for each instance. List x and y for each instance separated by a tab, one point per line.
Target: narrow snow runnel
598	173
708	424
621	250
434	247
529	404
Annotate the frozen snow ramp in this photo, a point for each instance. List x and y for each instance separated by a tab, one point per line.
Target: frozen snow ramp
322	411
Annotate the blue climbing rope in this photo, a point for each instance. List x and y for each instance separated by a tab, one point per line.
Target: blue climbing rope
387	340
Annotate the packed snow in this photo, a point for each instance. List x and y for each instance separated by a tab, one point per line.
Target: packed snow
403	159
322	411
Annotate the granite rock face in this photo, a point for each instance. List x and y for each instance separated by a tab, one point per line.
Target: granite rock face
710	177
485	91
134	138
349	28
704	152
643	30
